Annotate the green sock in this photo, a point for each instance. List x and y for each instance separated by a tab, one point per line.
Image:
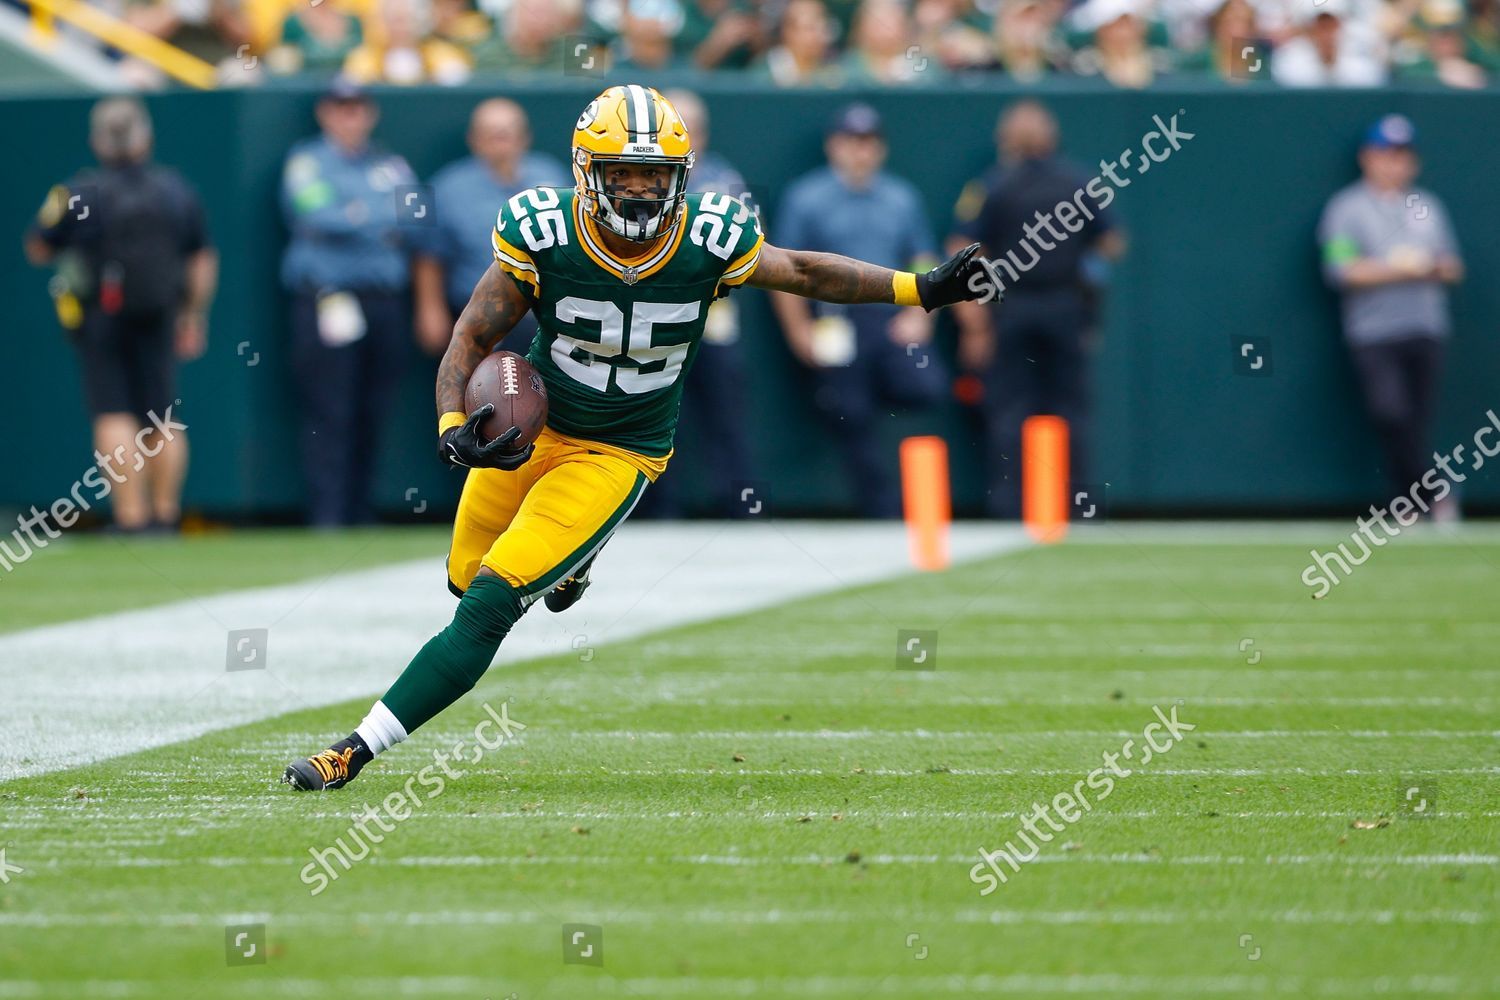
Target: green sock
453	660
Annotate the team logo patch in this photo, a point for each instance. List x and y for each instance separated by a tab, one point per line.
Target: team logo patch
589	114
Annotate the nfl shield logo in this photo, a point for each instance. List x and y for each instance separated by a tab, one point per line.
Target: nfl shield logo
631	276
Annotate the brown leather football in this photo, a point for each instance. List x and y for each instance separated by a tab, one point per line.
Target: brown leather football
516	388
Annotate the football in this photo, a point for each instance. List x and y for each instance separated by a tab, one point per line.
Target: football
518	392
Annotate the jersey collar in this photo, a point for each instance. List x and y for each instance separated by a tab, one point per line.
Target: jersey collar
628	269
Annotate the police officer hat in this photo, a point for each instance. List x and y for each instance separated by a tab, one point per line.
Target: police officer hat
342	88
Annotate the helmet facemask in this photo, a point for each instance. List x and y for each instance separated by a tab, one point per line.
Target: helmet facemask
636	218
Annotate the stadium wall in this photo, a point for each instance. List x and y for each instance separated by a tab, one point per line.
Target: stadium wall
1221	247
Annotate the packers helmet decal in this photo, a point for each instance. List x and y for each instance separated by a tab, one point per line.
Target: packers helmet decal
589	114
636	125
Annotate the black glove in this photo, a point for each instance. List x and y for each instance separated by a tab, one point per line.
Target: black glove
949	281
464	447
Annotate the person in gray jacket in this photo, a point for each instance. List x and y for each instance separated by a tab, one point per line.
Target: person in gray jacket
1389	248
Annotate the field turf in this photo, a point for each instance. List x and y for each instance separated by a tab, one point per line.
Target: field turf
767	806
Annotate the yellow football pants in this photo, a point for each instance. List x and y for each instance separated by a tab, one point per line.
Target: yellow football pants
535	526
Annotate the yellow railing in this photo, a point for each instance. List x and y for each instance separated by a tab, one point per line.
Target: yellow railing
127	38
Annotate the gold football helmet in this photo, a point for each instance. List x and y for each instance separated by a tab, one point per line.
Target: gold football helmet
632	124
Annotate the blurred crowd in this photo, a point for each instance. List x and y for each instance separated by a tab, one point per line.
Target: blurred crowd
1129	43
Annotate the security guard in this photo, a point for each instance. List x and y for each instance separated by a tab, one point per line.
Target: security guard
135	277
1037	360
454	251
347	270
862	358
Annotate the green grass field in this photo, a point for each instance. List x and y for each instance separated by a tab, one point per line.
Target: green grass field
766	806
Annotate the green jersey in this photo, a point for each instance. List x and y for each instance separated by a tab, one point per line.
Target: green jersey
617	336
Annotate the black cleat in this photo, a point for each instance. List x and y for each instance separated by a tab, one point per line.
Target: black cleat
566	594
331	768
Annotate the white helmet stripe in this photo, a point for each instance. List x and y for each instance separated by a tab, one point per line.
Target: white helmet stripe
642	103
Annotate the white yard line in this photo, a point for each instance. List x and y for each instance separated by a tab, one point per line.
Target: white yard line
86	690
842	678
229	814
814	860
101	839
1324	534
887	735
710	916
846	985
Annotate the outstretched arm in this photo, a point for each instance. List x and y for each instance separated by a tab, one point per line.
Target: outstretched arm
824	276
832	278
497	305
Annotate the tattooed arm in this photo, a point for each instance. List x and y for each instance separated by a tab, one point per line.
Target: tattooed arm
792	275
497	305
824	276
832	278
788	274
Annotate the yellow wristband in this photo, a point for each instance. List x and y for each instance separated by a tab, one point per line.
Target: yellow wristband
451	419
904	284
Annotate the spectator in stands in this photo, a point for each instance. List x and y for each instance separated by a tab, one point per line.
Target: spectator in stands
1281	20
804	43
843	14
212	30
316	38
1444	49
530	39
953	32
1447	53
863	359
454	252
1186	24
1332	50
719	34
135	278
714	402
1025	39
1033	358
884	49
1236	50
408	54
644	46
1118	51
459	24
1483	34
346	269
1389	249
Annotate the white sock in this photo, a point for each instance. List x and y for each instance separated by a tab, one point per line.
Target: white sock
381	730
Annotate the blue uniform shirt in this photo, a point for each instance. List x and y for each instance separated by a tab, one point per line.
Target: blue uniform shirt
883	223
341	211
468	197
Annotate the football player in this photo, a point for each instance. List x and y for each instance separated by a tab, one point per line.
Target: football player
619	272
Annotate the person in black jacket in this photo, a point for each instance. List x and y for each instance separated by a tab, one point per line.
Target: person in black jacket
135	275
1035	358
